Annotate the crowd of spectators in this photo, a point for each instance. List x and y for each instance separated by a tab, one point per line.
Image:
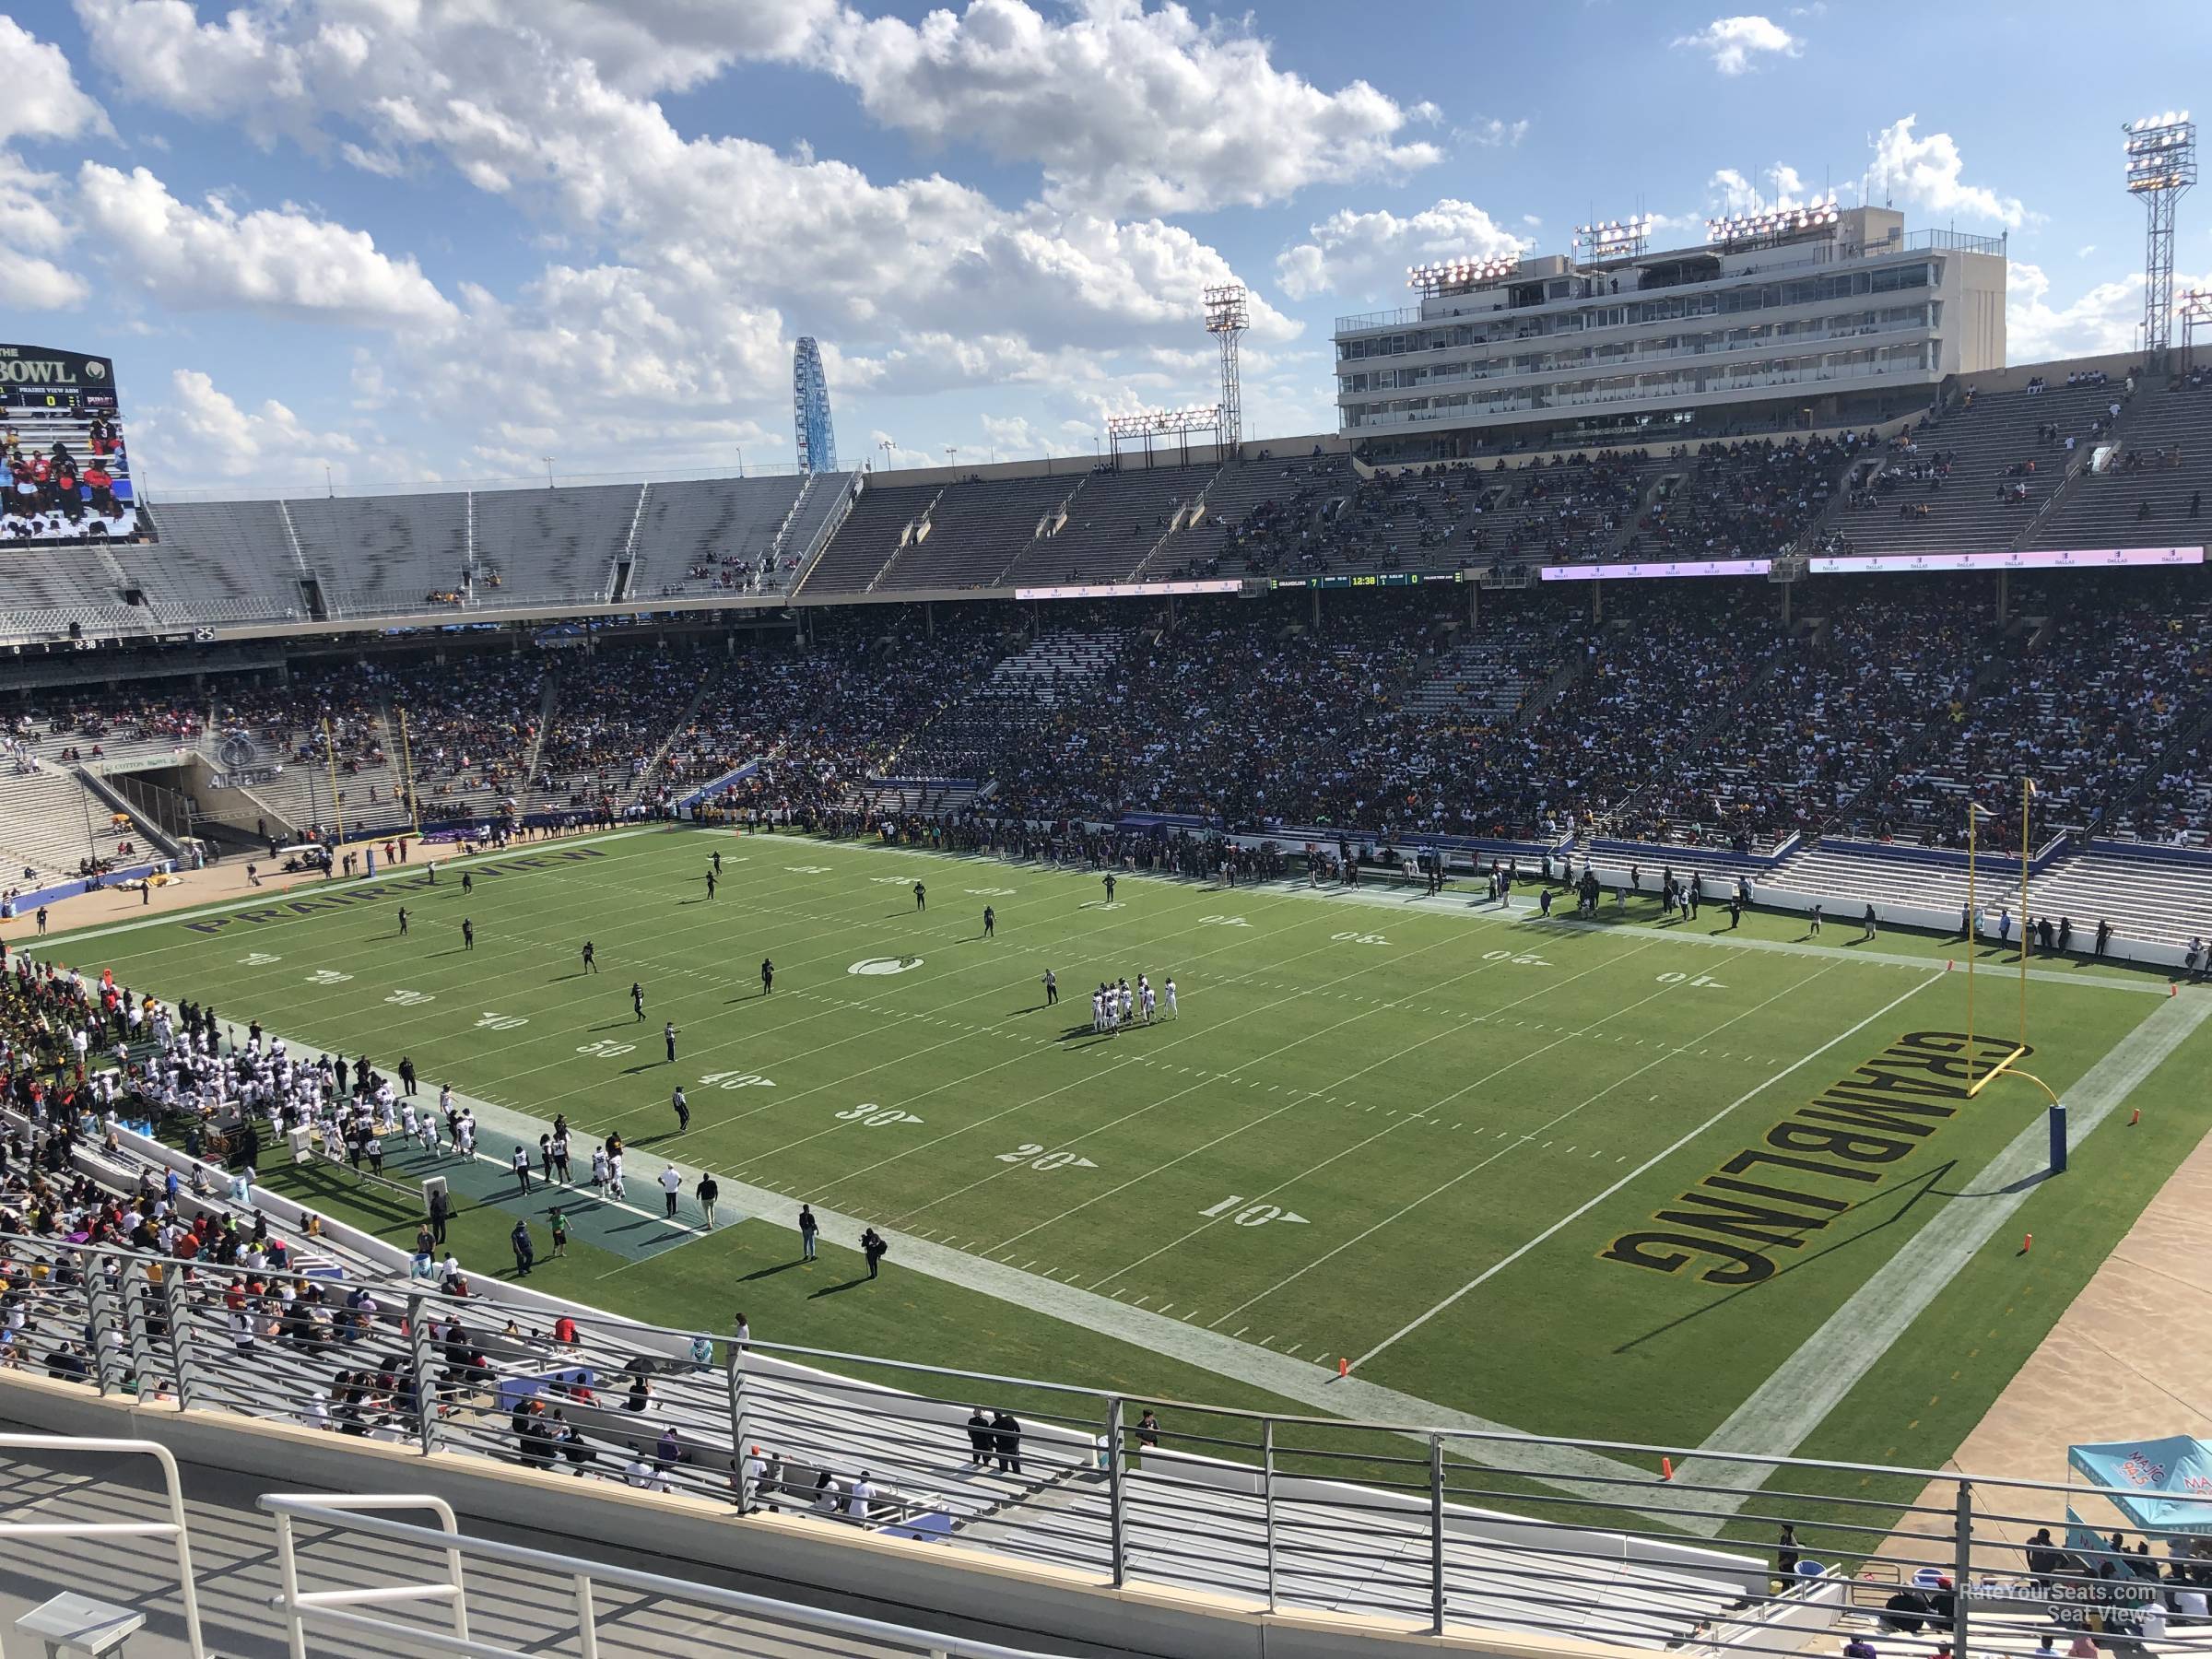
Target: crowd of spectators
1742	500
57	491
2080	701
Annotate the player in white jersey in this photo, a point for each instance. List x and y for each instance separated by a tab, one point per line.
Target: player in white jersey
432	1138
1125	1000
1144	992
1168	986
598	1168
614	1176
407	1124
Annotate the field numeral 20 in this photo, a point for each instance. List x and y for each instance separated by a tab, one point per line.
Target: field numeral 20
1034	1155
868	1114
1251	1215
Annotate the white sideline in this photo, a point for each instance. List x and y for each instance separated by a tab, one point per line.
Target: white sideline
1310	1384
1800	1393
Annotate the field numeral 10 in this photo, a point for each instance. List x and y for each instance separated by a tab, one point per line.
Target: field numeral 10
1252	1214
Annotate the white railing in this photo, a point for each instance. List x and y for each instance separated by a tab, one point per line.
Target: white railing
173	1531
339	1608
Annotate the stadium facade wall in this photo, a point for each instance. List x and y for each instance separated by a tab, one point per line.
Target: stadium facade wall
23	903
2188	858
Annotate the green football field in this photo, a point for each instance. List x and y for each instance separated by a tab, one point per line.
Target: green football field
1622	1181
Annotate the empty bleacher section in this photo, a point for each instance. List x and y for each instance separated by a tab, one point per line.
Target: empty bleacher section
2150	490
882	520
1973	477
50	590
49	825
973	532
711	535
1114	518
385	553
551	544
214	562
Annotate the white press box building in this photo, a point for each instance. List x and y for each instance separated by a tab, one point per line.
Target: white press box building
1817	316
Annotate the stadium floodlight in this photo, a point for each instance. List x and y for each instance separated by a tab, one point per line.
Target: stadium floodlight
1227	316
2161	165
1456	276
1772	221
1613	239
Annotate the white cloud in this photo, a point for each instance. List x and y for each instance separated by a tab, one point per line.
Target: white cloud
2085	250
42	99
1124	109
1734	43
1493	134
687	262
280	262
38	284
1351	251
2103	318
199	431
1928	172
1779	187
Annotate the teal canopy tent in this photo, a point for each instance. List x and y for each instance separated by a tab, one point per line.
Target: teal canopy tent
2161	1486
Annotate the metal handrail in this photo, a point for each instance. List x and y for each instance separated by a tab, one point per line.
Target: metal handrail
298	1607
176	1528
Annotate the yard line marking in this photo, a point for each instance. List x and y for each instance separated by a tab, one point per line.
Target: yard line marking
1650	1163
1385	1060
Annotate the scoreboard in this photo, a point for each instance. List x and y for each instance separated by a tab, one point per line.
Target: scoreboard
62	482
67	382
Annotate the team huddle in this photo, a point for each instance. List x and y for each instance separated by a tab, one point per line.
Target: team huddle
1115	1007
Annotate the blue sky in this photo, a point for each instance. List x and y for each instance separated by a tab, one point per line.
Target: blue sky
446	239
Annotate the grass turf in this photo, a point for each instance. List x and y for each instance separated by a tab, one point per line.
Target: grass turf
1381	1124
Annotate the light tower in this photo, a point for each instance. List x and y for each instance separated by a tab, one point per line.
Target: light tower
1227	316
816	439
2162	164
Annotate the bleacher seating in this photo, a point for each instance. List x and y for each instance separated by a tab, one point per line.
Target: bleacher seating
551	543
2162	463
1115	516
880	523
217	562
1956	483
49	825
51	589
974	531
377	554
710	535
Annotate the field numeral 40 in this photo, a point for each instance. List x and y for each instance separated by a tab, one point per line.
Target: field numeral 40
1251	1215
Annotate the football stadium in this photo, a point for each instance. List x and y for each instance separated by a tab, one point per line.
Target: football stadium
1563	1017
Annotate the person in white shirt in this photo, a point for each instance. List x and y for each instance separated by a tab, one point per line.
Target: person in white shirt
671	1184
856	1500
1168	986
749	1482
